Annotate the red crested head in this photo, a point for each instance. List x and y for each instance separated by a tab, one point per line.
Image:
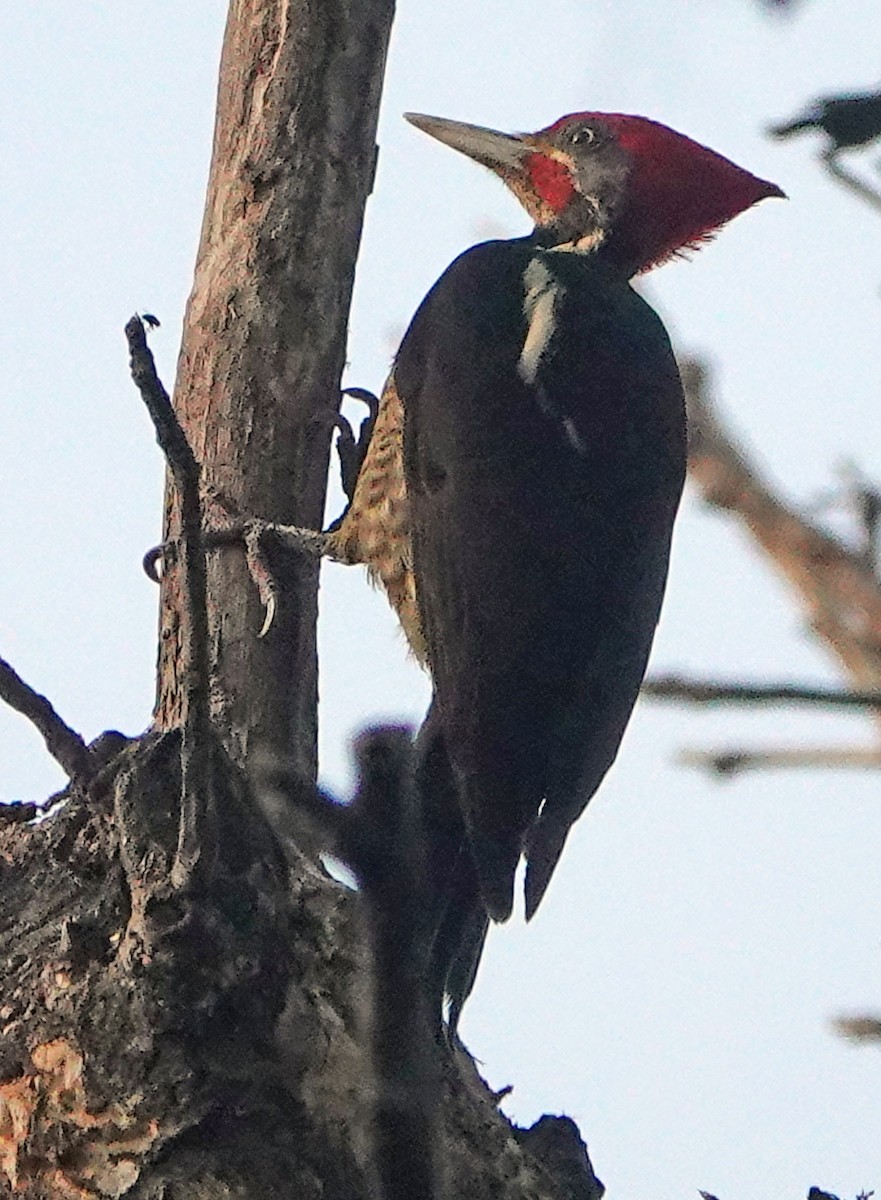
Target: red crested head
677	194
635	187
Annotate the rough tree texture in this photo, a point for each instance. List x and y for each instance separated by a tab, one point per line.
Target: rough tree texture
205	1042
265	334
197	1034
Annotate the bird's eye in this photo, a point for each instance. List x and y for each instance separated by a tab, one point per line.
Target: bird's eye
583	135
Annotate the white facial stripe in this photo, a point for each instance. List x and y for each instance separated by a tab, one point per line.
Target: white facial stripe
542	295
573	436
583	245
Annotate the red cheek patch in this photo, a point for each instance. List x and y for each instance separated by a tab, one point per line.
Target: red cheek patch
551	179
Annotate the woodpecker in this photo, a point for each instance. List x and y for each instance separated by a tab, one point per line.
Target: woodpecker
847	121
517	499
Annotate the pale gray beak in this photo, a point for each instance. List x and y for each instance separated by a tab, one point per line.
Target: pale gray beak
486	146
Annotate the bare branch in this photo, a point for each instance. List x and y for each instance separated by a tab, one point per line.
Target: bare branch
63	743
701	691
839	592
185	470
853	183
836	586
727	763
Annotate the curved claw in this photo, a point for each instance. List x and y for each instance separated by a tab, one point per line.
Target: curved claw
351	451
269	618
344	426
151	559
365	396
349	457
261	575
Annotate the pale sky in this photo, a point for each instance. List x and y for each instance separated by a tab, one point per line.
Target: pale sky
674	993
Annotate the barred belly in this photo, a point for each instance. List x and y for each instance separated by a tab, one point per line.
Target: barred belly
375	529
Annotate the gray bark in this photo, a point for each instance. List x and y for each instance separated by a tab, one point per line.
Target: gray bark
264	340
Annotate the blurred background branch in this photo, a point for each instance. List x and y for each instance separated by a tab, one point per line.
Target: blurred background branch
836	587
705	691
832	163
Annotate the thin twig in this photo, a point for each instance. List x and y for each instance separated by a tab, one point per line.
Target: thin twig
63	743
862	1027
185	469
727	763
700	691
853	183
311	542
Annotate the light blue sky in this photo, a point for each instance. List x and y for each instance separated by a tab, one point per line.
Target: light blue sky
673	995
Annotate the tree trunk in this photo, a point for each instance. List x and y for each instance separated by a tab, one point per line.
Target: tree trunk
192	1025
264	341
207	1042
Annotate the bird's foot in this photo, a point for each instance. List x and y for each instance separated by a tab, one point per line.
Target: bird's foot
253	534
350	449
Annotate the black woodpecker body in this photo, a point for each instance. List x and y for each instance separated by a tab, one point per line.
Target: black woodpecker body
544	452
543	429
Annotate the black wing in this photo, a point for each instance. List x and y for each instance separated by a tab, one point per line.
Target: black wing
544	457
